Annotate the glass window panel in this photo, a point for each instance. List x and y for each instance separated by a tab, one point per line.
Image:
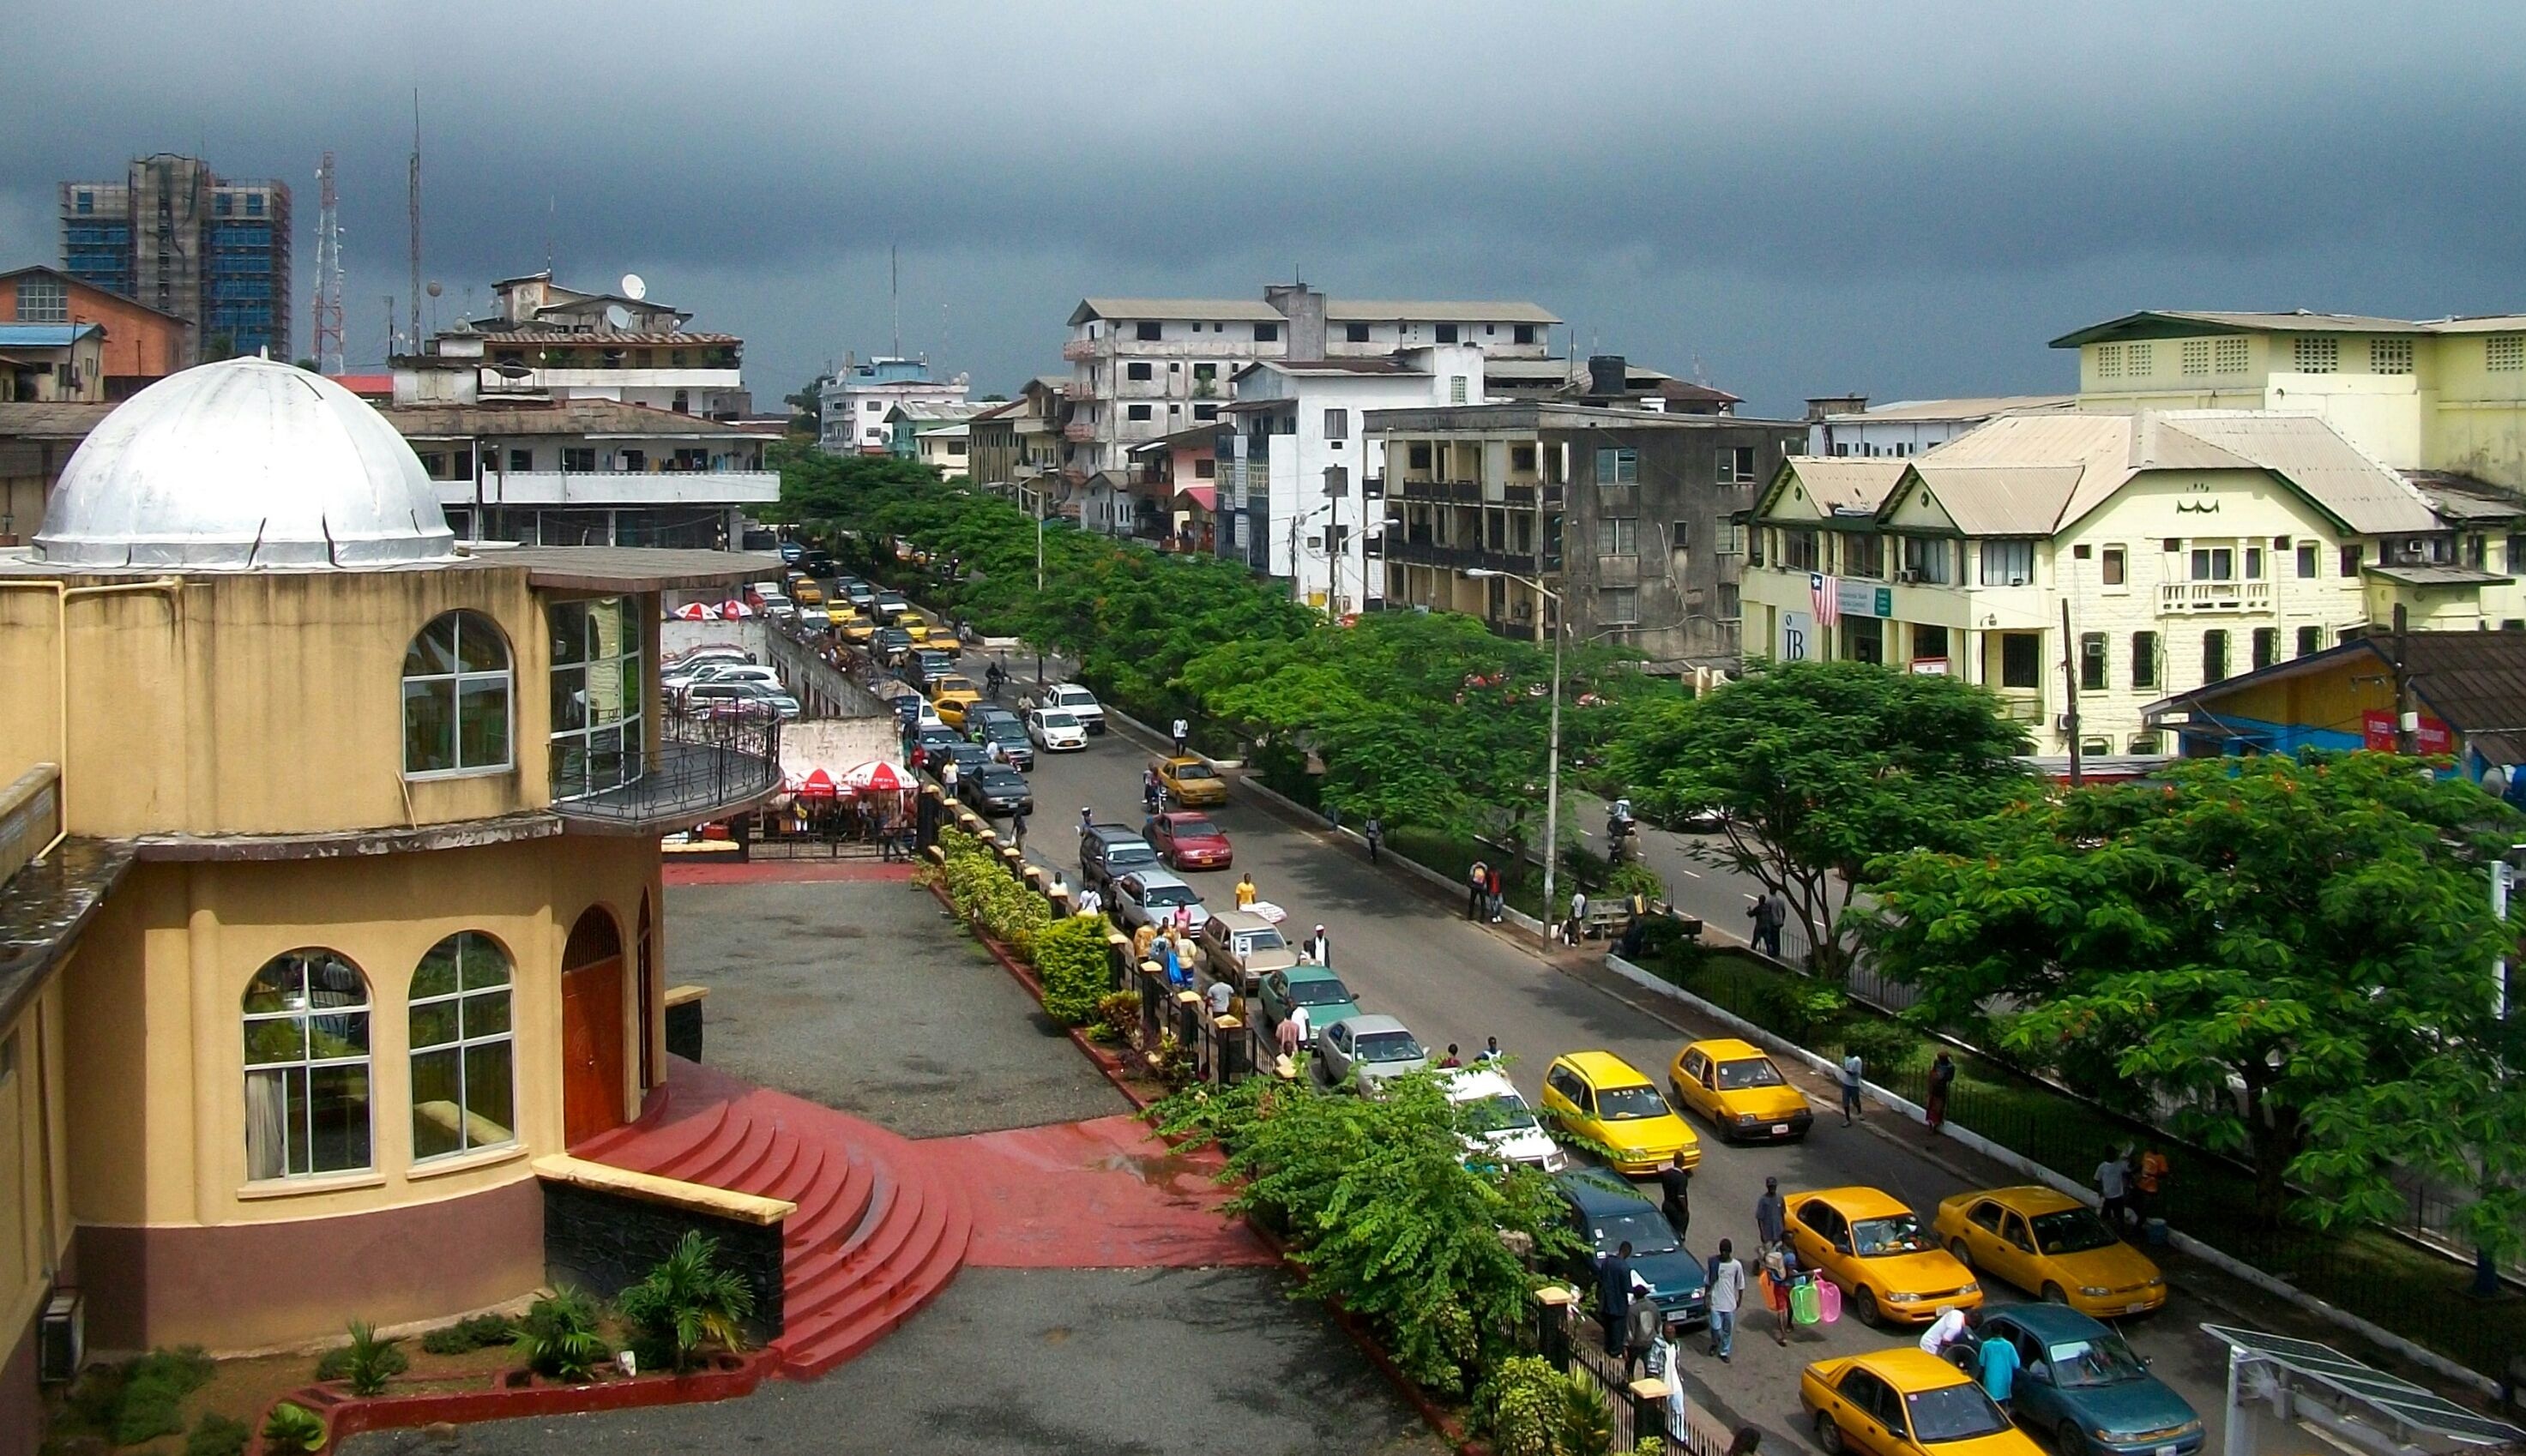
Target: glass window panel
338	1116
630	608
605	757
280	1039
437	972
337	1037
485	963
275	987
486	1014
631	687
569	767
488	1095
433	1024
432	649
479	648
429	725
568	699
437	1103
569	633
604	691
484	719
631	749
301	1152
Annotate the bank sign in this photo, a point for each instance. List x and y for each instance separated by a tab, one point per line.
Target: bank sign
1862	599
2377	733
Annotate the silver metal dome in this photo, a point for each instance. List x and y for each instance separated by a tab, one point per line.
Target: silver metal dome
242	464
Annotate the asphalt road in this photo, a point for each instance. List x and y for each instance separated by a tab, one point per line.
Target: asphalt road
1410	952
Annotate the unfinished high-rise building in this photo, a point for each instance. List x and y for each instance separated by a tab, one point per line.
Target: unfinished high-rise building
179	238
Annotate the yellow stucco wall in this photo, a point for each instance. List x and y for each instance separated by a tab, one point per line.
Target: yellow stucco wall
35	1184
260	702
157	1113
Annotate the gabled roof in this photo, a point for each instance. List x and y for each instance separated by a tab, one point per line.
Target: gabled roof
2304	451
1983	407
45	335
2474	681
123	299
1228	310
1838	482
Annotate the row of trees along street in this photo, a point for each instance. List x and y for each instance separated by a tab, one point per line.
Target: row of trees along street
2289	962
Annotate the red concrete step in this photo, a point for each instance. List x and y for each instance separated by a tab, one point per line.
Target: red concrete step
913	1276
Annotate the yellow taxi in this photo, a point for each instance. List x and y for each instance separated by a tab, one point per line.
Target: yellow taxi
839	614
1906	1402
1876	1249
913	627
1598	1096
951	695
2047	1243
861	630
1738	1089
806	593
1191	782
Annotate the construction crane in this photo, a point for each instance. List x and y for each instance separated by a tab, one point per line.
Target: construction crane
328	271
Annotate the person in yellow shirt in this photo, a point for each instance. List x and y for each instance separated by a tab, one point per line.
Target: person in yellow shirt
1246	891
1140	941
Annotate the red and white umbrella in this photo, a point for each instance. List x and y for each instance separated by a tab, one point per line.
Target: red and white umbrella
876	775
734	609
817	785
697	612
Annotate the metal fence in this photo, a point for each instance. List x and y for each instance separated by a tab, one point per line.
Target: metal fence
1575	1342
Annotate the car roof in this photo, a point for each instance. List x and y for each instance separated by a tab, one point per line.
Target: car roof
1298	974
1182	759
1479	1082
1239	920
1856	1202
1175	816
1596	1190
1909	1368
1602	1069
1154	877
1727	1049
2050	1322
989	772
1363	1024
2024	1198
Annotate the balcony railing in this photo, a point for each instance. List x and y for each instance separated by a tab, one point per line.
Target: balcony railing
2214	596
1080	348
1459	558
1465	493
1078	431
704	767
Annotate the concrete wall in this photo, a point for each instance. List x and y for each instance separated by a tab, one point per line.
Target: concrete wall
606	1243
35	1199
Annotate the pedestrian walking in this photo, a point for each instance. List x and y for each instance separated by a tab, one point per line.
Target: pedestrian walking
1286	1035
1727	1293
1376	835
2150	1181
1578	917
1477	889
1219	998
1305	1021
1451	1059
1675	1183
1614	1296
1771	1213
1850	1075
2114	1181
1091	902
947	776
1491	1051
1087	820
1246	891
1017	830
1998	1362
1495	896
1942	1075
1318	947
1770	911
1643	1321
1141	939
1183	734
1779	1267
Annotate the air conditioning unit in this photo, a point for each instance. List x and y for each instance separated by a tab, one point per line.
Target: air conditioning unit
1909	577
2061	722
62	1339
2017	581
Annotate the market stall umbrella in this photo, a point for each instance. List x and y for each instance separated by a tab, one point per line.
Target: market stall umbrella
877	775
734	609
697	612
817	785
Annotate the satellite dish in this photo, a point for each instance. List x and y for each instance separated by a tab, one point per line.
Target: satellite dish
634	287
434	291
617	316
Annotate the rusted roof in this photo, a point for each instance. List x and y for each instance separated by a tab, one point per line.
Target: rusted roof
575	417
2465	499
492	339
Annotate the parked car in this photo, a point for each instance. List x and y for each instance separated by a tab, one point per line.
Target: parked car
1055	730
738	699
1877	1250
925	666
693	657
2079	1382
720	671
994	791
791	551
1607	1212
969	758
2047	1243
1500	1124
1107	850
932	743
1150	897
953	695
1188	841
1001	731
1602	1098
889	644
1906	1402
1241	947
1077	701
1190	781
1359	1052
1314	988
1739	1089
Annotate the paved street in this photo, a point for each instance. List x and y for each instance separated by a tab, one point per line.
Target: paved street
1410	952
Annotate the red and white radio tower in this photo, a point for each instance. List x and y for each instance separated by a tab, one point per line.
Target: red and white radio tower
328	271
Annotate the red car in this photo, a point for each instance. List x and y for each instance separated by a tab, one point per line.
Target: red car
1186	841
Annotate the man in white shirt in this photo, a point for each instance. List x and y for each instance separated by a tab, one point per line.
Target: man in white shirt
1945	1330
1221	996
1091	902
1298	1018
1853	1071
1727	1293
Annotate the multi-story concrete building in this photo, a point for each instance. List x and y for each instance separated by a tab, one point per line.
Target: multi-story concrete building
548	343
1846	425
934	434
1019	439
2189	545
856	400
1144	368
1626	514
140	342
1297	464
2443	394
180	238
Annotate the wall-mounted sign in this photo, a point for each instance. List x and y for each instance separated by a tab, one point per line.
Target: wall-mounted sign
2377	729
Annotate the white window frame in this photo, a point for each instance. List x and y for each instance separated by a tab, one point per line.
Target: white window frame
629	663
50	304
458	679
464	946
300	1011
2000	560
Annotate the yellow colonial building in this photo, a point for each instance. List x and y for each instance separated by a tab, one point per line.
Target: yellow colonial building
2190	545
332	889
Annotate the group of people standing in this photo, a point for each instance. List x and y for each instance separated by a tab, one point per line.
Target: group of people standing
1486	898
1635	1326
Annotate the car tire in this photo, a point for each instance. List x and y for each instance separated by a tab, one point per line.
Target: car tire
1962	1252
2069	1440
1863	1303
2054	1294
1829	1435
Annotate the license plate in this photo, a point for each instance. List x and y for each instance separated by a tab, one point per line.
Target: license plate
2140	1308
1780	1130
2163	1451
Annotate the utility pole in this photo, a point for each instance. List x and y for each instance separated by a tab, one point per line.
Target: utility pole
2070	685
414	206
2408	719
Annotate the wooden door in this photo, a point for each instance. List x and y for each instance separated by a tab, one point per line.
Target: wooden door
592	1048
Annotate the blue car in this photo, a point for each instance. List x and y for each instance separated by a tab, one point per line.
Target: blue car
1607	1212
2079	1384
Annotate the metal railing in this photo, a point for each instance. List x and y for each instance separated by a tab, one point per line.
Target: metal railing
2214	596
1574	1342
703	768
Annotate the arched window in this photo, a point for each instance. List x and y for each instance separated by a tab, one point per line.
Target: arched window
596	684
456	691
462	1091
306	1066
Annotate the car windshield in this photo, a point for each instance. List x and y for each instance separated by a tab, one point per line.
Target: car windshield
1645	1230
1318	992
1897	1235
1953	1413
1076	698
1193	771
1736	1077
1266	939
1059	721
1168	894
1193	829
1630	1104
1010	780
2100	1360
1134	853
1506	1112
2071	1230
1389	1046
1002	731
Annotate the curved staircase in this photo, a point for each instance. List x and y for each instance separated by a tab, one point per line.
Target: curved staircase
879	1230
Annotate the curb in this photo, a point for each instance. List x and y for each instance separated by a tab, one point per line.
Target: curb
1451	886
1964	1137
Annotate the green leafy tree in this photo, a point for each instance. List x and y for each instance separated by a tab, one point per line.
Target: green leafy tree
1817	769
2285	948
2458	1119
687	1302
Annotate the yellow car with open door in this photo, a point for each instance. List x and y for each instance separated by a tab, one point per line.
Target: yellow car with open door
1881	1254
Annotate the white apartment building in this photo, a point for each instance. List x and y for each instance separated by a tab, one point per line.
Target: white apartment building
548	343
1145	368
1299	476
1902	428
855	401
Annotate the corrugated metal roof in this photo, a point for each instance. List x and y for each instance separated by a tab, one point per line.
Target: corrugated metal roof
1236	310
576	417
613	338
50	420
926	410
1981	408
2306	452
2463	498
45	335
1846	482
2002	500
2175	323
2437	575
2479	323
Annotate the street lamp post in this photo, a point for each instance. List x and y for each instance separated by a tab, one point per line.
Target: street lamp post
1552	760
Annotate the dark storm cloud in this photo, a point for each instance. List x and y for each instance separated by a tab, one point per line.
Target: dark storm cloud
1903	200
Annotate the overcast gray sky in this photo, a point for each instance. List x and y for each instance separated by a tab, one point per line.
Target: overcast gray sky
1780	199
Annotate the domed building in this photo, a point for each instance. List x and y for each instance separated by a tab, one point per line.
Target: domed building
329	877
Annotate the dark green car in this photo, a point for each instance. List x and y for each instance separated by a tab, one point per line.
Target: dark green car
1314	988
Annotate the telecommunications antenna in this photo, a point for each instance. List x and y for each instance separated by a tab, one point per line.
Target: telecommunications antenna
617	316
634	287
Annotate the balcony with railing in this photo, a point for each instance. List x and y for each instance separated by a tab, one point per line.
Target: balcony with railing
2174	597
1083	348
705	767
1079	431
1460	558
1459	492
